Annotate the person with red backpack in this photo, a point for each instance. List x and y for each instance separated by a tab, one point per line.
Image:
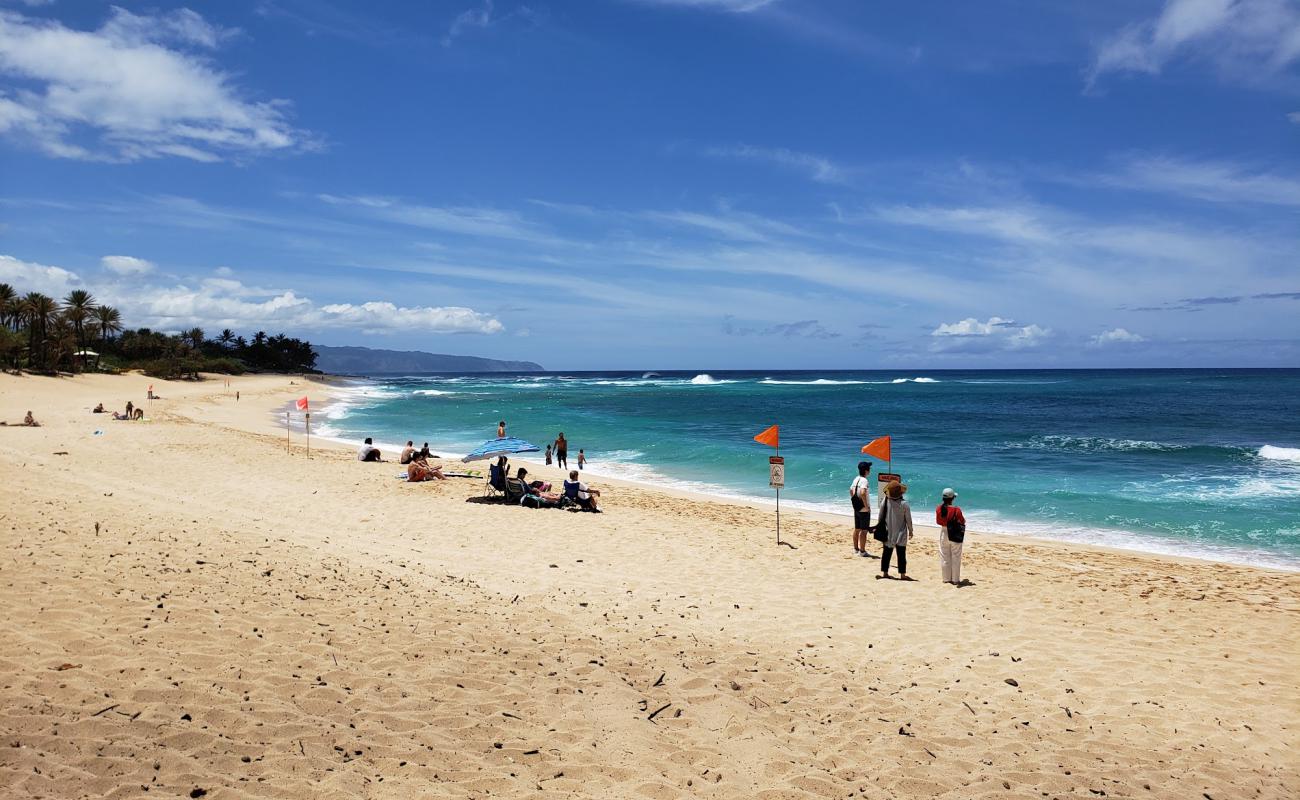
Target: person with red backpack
952	532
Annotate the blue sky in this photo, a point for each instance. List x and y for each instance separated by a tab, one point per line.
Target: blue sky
671	183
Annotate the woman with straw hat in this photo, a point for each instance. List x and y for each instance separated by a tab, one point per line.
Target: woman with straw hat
896	517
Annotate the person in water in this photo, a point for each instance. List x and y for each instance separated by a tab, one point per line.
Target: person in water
561	451
582	459
860	498
501	429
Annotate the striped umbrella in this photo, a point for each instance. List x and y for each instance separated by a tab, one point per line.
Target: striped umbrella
500	447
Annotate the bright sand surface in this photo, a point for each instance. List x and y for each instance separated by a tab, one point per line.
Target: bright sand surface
255	624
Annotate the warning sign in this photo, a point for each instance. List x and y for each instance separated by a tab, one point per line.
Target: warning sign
776	469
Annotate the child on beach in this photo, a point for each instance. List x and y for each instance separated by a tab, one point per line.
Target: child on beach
548	455
952	532
582	458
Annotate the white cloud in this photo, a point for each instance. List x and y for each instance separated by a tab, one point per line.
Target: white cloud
1248	40
1216	181
973	327
28	276
1116	336
1294	116
468	221
126	265
480	17
995	333
819	169
228	303
141	86
739	6
1017	225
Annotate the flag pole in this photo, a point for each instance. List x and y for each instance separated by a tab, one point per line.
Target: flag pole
286	432
778	508
309	434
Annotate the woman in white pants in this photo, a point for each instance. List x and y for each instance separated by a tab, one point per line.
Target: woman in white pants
952	532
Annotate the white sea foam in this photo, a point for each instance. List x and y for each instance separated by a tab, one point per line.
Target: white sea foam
1091	444
705	379
818	382
915	380
1273	453
433	392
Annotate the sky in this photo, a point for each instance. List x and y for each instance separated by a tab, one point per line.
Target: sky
670	184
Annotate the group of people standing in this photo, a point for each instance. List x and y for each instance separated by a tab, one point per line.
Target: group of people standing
893	528
556	452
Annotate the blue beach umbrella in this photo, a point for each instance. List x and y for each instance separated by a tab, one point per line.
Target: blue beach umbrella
500	447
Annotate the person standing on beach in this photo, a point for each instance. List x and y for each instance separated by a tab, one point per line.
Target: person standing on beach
501	429
548	455
582	458
952	532
860	497
561	451
896	516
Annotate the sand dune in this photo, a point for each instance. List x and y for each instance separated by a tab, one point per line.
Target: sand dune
244	622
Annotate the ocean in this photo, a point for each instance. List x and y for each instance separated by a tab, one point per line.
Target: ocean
1200	463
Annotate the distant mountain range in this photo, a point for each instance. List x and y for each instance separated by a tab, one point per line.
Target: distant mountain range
365	361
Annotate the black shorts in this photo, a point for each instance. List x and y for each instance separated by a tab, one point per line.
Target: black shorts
861	519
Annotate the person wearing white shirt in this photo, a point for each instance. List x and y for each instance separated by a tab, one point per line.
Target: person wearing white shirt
860	497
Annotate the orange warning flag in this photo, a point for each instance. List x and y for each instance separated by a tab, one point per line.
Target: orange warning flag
878	448
770	437
302	403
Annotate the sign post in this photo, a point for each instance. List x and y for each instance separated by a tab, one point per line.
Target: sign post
308	418
286	432
776	479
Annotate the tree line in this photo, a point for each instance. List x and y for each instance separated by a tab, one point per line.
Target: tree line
41	334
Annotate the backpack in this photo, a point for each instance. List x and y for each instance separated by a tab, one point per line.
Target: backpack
956	528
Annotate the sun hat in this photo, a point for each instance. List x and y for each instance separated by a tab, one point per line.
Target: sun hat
949	492
896	488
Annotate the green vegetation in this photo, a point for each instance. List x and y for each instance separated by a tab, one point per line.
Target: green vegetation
41	334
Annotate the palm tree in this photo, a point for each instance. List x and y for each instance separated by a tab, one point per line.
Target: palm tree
109	322
8	304
227	336
39	310
194	336
79	305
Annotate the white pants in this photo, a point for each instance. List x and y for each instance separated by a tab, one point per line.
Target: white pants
949	559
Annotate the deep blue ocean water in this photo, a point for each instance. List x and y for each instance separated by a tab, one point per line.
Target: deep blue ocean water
1190	462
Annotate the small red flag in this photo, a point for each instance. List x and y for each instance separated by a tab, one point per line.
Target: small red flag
302	404
770	437
878	448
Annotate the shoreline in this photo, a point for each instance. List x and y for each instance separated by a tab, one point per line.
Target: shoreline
189	606
1134	542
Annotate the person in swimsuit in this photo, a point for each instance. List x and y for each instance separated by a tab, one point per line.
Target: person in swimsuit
561	451
582	459
501	429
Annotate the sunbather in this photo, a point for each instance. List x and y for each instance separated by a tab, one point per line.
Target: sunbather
434	471
407	453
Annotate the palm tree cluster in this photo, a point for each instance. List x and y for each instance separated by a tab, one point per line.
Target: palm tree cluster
42	334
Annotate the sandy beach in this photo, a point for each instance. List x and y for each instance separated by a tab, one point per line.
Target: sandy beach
191	611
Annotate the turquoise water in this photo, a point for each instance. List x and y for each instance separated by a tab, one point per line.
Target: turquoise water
1191	462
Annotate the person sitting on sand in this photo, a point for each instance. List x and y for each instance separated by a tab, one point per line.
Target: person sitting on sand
435	470
539	486
99	409
408	453
139	414
582	494
368	451
419	470
30	421
424	452
896	516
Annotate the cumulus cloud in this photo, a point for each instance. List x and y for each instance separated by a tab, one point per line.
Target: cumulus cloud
1116	336
1246	39
140	86
995	333
225	302
126	265
28	276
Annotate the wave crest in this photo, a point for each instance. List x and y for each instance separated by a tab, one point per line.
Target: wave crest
1273	453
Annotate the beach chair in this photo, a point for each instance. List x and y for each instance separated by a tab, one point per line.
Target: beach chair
496	482
515	490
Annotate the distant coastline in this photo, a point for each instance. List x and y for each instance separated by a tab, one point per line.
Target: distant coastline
369	361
